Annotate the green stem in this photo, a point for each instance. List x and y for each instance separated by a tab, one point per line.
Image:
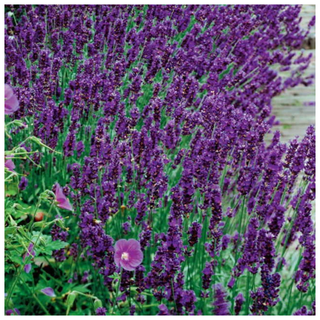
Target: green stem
22	266
247	293
36	298
34	214
117	291
12	288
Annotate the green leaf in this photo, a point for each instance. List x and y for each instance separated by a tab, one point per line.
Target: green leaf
18	206
70	300
10	230
11	188
55	245
82	288
17	259
97	304
44	282
38	224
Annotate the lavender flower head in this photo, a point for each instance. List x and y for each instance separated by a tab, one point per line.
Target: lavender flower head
163	310
221	306
101	311
239	302
23	183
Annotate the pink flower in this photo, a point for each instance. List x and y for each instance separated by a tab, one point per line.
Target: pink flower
27	267
11	103
63	201
128	254
9	165
48	292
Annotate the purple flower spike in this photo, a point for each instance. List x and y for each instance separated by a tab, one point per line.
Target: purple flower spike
9	165
239	301
101	311
11	102
63	201
163	310
48	292
128	254
23	183
221	305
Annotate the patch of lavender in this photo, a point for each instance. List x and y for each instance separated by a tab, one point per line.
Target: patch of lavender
161	113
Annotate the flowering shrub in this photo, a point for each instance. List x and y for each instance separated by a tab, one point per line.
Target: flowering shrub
137	133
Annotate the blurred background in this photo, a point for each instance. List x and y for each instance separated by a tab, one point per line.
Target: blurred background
295	109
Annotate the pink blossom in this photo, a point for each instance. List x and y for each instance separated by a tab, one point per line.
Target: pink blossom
63	201
11	102
27	267
9	165
128	254
48	292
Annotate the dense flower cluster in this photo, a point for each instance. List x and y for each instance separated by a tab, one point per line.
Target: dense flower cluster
159	115
220	304
305	312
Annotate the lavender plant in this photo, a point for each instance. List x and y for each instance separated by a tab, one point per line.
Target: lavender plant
148	161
